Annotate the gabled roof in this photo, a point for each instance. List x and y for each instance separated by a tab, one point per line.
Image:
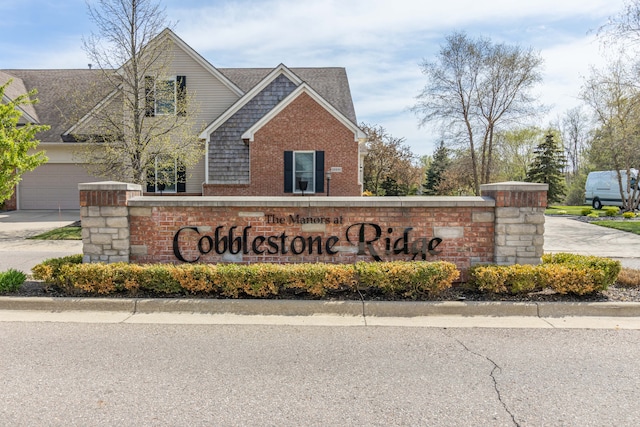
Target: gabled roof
59	88
183	46
57	91
13	91
303	88
200	60
256	89
330	82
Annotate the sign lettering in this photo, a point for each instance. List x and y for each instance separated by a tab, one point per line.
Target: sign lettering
363	235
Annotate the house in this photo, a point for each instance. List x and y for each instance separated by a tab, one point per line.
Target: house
268	132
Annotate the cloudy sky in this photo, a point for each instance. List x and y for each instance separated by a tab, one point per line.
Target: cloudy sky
380	42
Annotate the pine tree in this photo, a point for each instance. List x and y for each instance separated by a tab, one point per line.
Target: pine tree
547	168
434	173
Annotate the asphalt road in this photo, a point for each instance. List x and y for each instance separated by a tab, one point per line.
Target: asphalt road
67	374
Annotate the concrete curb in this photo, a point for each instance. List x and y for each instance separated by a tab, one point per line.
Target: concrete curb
380	309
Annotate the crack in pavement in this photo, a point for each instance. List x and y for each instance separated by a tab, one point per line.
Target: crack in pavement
364	308
493	378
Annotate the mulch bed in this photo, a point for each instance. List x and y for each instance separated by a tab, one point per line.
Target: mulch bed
615	293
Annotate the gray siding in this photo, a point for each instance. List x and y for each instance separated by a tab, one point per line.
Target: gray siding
228	154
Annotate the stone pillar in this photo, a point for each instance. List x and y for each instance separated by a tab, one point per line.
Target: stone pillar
519	221
105	220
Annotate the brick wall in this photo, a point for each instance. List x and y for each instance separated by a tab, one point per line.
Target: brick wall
320	132
118	222
466	233
11	204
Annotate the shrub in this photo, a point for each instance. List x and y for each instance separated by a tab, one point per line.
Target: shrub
49	270
629	278
319	279
586	211
90	278
512	279
609	268
395	279
11	280
561	212
628	215
613	211
593	215
564	273
406	279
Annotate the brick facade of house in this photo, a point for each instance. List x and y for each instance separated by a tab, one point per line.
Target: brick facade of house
303	125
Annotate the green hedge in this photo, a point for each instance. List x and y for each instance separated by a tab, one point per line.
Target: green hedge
399	279
564	273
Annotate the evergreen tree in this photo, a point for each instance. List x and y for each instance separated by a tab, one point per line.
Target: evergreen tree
391	187
547	167
436	169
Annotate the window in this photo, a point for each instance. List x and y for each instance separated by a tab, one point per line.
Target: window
303	171
167	176
304	168
164	97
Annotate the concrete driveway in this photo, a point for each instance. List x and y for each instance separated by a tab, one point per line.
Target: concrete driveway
564	234
21	254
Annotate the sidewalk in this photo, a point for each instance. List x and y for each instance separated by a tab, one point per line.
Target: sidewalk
322	313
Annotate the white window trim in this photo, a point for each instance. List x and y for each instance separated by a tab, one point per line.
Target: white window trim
175	178
311	187
174	79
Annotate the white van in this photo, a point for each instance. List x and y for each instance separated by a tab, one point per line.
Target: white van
602	188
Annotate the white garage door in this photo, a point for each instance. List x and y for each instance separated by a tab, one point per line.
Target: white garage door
52	186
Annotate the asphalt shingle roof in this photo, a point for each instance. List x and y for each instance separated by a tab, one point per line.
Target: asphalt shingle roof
57	90
330	82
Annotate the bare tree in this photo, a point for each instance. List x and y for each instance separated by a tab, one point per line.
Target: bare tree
146	121
514	148
615	101
623	27
388	159
475	87
575	127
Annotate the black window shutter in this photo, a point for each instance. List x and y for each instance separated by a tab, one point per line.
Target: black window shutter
151	180
288	171
149	97
182	95
319	171
181	186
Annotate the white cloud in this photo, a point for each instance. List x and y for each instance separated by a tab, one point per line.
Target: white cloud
379	42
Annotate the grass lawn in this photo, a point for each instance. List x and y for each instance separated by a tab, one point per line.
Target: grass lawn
65	233
570	210
630	226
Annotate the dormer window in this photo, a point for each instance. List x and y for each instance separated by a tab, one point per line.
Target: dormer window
165	96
